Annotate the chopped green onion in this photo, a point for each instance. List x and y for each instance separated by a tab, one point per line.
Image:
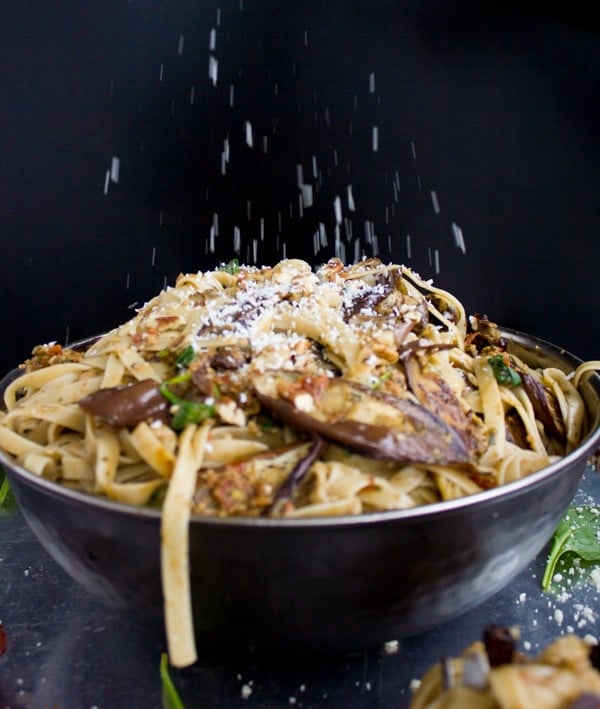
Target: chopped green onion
380	380
185	358
186	412
190	412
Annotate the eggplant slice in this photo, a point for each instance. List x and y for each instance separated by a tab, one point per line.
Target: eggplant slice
379	425
438	398
260	485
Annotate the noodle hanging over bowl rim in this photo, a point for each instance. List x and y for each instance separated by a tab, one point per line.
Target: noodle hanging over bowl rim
387	304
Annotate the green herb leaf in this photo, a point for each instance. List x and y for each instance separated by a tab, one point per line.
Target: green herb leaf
7	500
170	695
576	537
185	358
504	374
231	267
380	380
189	412
186	412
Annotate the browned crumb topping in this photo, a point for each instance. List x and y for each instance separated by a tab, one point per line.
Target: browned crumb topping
46	355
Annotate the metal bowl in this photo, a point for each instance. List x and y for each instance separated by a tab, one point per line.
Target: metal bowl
334	584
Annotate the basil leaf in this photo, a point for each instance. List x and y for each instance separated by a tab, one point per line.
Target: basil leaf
170	696
7	500
503	373
576	537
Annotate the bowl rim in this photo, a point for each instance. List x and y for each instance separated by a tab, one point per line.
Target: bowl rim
483	498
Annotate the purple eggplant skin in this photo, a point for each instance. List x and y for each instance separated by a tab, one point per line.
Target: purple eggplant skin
289	486
587	700
426	439
438	398
129	404
544	406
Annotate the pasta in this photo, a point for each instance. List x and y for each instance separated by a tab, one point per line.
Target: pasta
379	363
492	673
288	391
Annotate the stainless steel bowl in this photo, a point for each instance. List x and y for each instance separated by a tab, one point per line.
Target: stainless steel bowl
317	584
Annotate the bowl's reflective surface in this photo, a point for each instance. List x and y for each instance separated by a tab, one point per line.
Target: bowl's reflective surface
322	584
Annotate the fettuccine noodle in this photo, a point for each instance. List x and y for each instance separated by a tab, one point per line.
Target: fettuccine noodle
288	391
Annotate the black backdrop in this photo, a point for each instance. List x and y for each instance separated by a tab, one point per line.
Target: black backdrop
140	139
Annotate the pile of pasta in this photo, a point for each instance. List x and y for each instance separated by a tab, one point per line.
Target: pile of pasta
290	391
492	674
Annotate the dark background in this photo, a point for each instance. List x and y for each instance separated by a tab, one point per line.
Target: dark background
487	126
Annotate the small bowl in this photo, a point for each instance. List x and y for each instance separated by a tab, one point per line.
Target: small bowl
318	585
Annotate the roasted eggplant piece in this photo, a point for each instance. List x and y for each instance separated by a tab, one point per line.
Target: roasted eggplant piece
545	406
286	490
438	397
261	485
353	415
128	405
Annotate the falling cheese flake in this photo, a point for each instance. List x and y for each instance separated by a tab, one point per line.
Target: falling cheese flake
459	240
351	204
337	208
213	69
375	139
307	195
114	170
322	235
249	134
